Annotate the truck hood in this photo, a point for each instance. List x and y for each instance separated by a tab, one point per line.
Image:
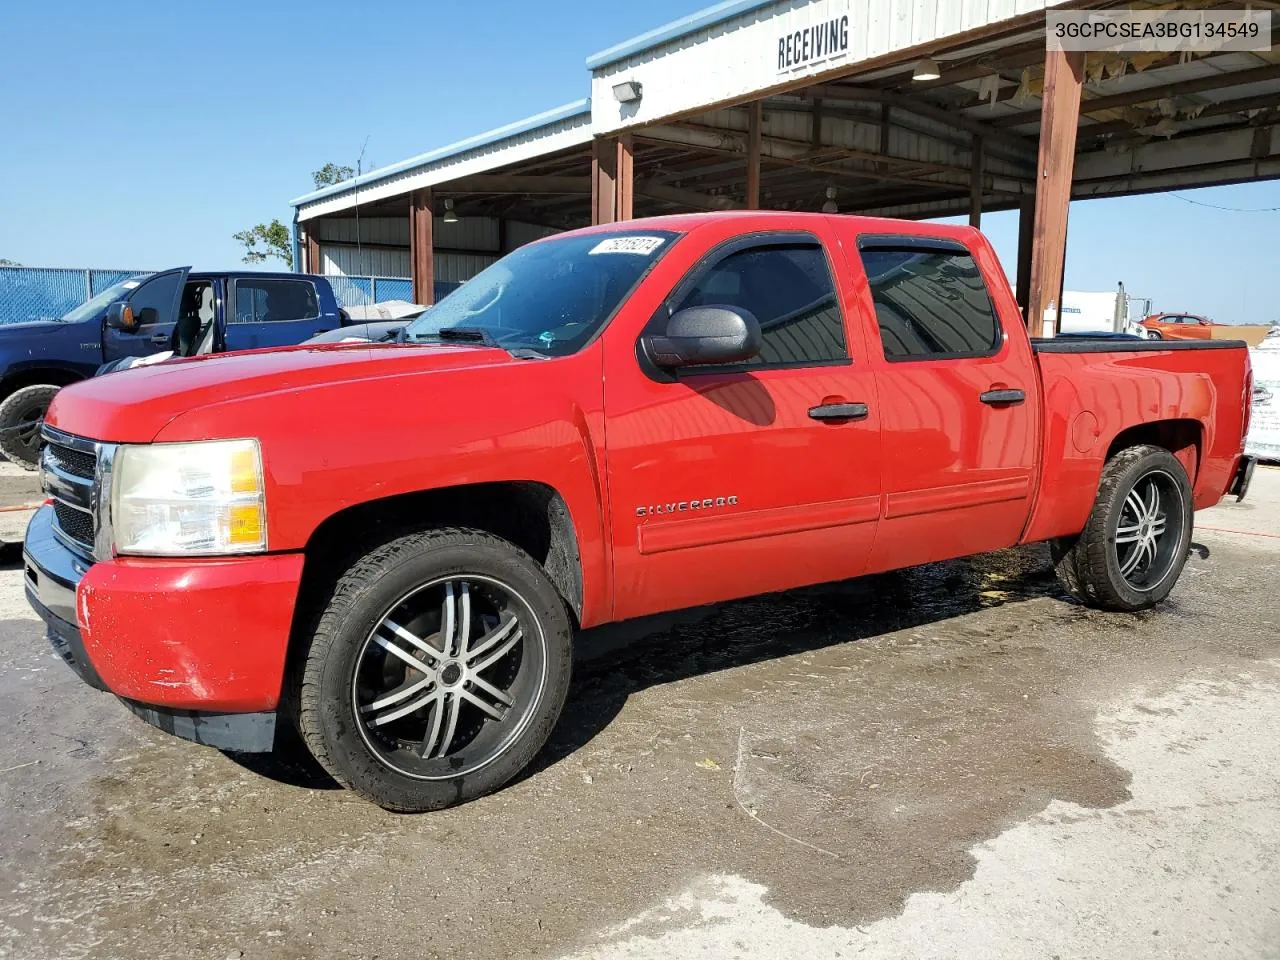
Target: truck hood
133	406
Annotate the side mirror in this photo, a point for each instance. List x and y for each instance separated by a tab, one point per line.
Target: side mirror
698	335
120	317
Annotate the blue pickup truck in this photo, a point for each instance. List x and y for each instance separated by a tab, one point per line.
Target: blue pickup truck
176	310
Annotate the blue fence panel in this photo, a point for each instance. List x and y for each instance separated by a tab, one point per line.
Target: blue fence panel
392	288
47	293
99	280
352	291
36	293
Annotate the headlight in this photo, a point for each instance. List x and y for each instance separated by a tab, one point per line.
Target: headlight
184	499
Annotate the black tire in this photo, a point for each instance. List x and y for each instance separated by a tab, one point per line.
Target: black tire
21	415
1154	335
1093	565
331	699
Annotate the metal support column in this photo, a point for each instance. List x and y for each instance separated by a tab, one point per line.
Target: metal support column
624	186
755	117
312	263
421	247
1059	116
975	184
604	178
1026	226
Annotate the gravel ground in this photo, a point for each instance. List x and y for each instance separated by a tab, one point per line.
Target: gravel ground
953	761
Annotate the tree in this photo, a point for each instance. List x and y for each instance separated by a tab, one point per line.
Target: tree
9	263
330	174
267	240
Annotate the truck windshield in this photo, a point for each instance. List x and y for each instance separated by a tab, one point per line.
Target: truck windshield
107	296
550	297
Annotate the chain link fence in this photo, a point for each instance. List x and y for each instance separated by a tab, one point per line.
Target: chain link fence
47	293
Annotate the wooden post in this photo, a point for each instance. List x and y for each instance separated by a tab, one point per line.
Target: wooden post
604	176
625	185
755	117
311	261
1026	224
421	249
1059	116
975	184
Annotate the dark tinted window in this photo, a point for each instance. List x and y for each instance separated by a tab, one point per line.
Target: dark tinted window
788	289
158	293
930	304
268	301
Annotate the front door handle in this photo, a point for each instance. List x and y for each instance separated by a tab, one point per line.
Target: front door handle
160	338
1002	398
839	411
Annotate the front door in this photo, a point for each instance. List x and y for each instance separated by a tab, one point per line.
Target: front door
731	481
959	398
272	312
155	305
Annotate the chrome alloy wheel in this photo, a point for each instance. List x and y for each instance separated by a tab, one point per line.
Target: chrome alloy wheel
450	675
1149	531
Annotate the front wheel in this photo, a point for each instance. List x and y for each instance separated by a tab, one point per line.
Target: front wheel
1135	543
21	417
437	670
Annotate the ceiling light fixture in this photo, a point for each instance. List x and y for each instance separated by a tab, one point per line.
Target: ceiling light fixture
926	69
449	215
831	206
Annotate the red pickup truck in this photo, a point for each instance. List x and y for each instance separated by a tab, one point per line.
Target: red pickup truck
392	545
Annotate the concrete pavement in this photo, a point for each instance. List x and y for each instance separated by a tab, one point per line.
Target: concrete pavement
953	761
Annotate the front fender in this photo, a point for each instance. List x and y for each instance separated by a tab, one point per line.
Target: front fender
338	445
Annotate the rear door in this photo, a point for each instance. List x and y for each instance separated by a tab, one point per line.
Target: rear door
272	312
155	304
726	481
959	397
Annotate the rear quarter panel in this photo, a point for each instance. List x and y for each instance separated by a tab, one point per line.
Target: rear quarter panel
1090	398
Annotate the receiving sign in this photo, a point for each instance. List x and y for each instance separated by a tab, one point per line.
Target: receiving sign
806	45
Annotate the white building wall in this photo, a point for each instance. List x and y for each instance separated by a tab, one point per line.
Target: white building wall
737	58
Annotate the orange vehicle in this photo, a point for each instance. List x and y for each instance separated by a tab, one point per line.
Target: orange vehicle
1178	326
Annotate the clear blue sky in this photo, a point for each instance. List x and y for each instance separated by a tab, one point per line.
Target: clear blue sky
146	134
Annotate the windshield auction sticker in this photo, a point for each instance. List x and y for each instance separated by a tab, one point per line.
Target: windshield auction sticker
1144	31
641	245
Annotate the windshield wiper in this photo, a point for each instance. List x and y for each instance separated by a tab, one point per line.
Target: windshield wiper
478	335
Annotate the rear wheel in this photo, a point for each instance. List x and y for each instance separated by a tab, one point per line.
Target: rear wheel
1135	543
21	417
437	670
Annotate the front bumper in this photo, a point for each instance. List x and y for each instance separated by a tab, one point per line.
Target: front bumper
195	647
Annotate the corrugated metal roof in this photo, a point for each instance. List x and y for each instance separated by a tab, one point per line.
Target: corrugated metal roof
706	17
545	119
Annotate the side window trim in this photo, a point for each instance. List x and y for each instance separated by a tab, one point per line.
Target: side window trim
704	264
233	314
915	243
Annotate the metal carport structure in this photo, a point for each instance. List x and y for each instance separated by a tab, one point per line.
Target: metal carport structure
714	112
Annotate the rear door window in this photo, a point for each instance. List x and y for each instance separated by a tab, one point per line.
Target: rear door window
930	300
272	301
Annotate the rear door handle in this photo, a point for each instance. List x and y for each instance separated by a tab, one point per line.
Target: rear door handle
1002	398
839	411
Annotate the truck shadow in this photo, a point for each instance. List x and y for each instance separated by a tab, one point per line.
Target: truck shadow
613	662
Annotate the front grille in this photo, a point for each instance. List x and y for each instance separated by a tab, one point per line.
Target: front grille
76	524
80	463
69	475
